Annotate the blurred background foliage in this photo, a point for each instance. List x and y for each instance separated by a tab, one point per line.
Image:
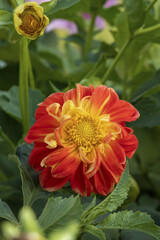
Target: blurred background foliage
59	61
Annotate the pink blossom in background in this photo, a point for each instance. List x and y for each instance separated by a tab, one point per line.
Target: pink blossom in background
110	3
70	26
100	22
86	16
38	1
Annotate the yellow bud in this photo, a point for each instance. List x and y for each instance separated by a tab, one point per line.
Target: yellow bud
29	20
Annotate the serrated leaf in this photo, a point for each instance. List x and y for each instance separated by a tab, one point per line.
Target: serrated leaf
144	88
95	231
58	212
115	199
135	12
31	190
149	109
6	212
132	221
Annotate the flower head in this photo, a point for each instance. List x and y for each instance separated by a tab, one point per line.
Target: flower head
29	20
80	136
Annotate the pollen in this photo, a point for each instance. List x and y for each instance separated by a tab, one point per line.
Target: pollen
84	132
30	20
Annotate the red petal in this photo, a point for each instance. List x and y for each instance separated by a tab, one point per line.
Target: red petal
50	183
77	94
57	155
103	181
123	112
46	124
53	98
129	144
93	165
113	159
37	156
80	183
67	166
102	99
118	151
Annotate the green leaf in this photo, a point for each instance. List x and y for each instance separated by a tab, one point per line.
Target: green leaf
115	199
95	231
9	102
5	16
149	109
135	12
48	5
6	19
63	4
132	221
88	209
132	235
31	190
144	88
58	212
122	33
6	212
43	70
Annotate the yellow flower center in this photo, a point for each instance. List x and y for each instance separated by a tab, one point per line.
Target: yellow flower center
30	21
85	132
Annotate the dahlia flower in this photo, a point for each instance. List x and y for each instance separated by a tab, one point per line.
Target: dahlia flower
29	20
80	136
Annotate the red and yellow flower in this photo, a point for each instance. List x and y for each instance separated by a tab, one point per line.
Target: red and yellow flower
80	136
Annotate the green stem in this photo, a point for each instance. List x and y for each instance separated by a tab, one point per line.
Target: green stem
89	35
147	30
151	5
54	88
14	4
31	76
115	61
23	83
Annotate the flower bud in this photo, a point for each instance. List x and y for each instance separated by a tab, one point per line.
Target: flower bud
29	20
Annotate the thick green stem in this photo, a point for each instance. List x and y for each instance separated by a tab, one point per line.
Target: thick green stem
115	61
89	35
31	76
23	83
